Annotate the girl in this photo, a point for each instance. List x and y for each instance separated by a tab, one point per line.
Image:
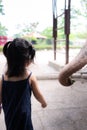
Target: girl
17	84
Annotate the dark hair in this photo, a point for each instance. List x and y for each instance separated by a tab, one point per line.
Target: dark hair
18	52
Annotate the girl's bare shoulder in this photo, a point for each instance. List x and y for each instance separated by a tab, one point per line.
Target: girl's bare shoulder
32	79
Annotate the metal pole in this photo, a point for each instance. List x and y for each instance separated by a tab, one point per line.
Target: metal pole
54	48
67	32
54	26
67	28
54	35
67	48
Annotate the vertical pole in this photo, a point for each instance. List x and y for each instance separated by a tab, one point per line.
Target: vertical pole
67	32
54	35
54	26
54	48
67	28
67	48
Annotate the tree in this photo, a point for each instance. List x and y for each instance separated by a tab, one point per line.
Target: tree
84	7
27	28
76	14
33	26
81	10
3	30
1	8
47	32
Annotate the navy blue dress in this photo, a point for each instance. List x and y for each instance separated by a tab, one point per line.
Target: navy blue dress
16	102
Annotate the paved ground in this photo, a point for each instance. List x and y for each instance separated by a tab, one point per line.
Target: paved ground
66	110
67	106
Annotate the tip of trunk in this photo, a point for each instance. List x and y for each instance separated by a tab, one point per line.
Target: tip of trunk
65	81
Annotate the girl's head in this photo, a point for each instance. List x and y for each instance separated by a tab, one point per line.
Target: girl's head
18	53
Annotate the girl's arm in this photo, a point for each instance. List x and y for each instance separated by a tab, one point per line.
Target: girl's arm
0	95
37	92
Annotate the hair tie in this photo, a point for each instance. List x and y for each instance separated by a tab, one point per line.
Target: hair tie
9	43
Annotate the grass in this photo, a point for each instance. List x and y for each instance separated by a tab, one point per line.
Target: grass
1	47
48	46
43	46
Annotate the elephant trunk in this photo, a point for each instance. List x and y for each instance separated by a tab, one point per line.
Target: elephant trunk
76	64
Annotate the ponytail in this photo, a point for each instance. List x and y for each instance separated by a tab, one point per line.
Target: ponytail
5	48
31	52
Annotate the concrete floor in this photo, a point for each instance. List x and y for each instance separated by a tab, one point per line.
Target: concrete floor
66	110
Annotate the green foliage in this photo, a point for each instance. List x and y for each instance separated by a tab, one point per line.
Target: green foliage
27	28
84	7
72	36
17	35
1	48
42	46
47	32
3	30
61	34
50	46
82	35
80	11
1	8
60	28
33	26
31	39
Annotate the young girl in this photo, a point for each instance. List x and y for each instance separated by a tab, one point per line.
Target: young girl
17	84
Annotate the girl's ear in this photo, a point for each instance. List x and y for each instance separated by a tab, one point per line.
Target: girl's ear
27	63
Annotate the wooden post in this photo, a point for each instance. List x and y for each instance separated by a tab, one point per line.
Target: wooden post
67	32
54	35
67	28
54	26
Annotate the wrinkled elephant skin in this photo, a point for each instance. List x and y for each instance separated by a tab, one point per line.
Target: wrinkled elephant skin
76	64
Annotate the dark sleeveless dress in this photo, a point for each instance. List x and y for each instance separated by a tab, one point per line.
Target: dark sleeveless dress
16	103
